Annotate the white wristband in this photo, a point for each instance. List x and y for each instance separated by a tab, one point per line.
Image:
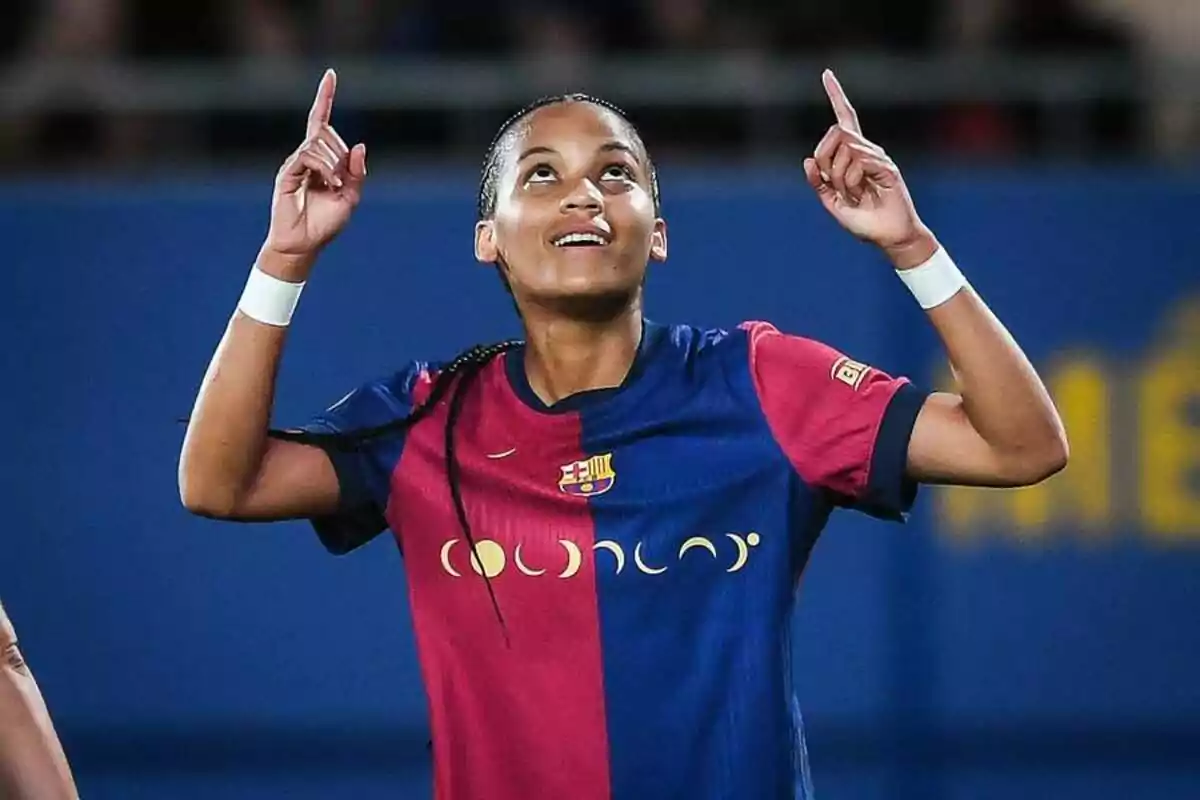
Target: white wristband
935	281
269	300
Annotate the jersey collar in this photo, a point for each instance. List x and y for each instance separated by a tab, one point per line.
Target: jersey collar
514	368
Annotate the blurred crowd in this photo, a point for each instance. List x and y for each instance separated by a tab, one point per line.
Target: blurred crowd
289	28
1157	38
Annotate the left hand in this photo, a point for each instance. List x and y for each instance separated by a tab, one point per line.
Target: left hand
862	187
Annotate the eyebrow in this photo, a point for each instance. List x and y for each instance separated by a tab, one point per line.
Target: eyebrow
607	147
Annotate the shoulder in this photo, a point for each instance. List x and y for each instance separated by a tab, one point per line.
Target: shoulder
378	399
802	362
763	366
399	385
760	335
743	346
683	342
694	354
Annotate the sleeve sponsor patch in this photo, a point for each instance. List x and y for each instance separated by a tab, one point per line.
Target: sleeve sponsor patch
849	372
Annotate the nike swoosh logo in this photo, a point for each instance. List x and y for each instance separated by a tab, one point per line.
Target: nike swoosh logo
505	454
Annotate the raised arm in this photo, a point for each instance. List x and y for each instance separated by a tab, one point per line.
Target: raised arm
1002	429
33	765
229	468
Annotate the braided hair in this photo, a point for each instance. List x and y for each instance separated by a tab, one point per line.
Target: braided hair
456	377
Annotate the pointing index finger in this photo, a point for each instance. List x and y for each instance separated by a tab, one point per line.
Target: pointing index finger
322	105
847	117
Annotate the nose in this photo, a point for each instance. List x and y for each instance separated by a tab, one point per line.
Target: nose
583	196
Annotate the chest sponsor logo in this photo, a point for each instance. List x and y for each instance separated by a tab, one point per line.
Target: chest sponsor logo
492	559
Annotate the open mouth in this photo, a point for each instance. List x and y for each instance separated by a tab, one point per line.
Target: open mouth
580	240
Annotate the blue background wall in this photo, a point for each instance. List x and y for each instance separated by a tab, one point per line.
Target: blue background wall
1001	645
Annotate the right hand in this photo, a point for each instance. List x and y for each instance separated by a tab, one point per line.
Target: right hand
317	187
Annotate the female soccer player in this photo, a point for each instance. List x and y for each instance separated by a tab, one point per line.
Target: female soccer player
32	763
603	525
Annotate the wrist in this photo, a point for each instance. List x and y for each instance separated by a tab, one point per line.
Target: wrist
270	299
290	267
913	251
934	281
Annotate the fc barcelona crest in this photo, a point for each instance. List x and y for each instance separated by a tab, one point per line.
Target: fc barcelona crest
588	478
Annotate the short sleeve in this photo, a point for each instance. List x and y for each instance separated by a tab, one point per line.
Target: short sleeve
364	471
844	425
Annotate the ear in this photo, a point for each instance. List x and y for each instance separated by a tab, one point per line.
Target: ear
658	241
486	251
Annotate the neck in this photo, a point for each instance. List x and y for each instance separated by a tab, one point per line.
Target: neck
565	356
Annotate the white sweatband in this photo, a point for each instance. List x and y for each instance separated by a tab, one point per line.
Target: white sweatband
268	299
935	281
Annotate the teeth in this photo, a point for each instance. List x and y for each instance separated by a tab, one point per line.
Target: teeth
578	238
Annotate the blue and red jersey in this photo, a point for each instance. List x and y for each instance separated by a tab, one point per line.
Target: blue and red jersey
644	544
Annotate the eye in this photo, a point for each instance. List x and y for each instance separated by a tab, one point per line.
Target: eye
619	172
541	173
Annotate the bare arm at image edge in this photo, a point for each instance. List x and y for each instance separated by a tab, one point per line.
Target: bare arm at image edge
33	765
